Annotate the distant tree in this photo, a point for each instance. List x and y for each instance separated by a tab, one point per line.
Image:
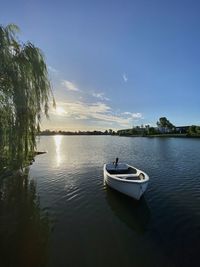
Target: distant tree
110	131
134	131
130	132
152	131
194	130
198	130
147	126
165	123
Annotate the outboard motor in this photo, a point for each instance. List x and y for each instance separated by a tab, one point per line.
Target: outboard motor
116	162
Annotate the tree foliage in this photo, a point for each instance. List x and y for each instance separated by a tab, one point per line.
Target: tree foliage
194	130
165	123
25	92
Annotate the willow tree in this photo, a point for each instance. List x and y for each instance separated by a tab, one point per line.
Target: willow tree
25	93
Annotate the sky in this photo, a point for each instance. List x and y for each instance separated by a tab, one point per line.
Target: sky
115	64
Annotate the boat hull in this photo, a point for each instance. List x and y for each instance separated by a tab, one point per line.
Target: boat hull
129	188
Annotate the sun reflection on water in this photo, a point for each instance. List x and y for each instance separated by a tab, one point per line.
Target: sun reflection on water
58	141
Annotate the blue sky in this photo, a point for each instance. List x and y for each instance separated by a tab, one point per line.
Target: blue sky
115	64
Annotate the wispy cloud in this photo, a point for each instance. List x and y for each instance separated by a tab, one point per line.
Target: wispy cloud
133	115
101	96
97	112
53	70
69	85
125	78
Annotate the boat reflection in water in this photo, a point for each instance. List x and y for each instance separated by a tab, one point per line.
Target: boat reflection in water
135	214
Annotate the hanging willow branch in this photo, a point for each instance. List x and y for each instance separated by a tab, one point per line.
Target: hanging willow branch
25	92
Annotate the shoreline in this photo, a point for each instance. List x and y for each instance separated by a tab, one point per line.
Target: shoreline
124	135
163	136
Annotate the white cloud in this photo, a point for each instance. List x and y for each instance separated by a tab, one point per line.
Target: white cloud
69	85
127	113
96	112
101	96
137	115
125	78
53	70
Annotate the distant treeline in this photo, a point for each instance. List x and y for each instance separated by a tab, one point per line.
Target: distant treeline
164	127
106	132
190	131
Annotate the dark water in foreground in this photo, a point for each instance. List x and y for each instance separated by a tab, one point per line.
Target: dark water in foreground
62	214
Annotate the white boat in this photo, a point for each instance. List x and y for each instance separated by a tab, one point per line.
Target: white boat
126	179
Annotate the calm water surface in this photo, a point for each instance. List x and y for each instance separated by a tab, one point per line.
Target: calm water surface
62	214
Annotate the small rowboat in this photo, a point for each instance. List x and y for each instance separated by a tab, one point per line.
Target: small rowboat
126	179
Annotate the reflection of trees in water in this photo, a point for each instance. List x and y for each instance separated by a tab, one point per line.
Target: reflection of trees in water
24	229
135	214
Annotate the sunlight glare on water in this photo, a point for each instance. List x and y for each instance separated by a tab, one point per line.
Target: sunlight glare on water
58	155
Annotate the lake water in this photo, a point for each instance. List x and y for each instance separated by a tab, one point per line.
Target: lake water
62	214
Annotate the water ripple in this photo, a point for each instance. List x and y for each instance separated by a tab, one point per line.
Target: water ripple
88	216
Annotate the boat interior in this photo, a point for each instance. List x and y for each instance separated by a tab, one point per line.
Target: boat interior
123	171
116	171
